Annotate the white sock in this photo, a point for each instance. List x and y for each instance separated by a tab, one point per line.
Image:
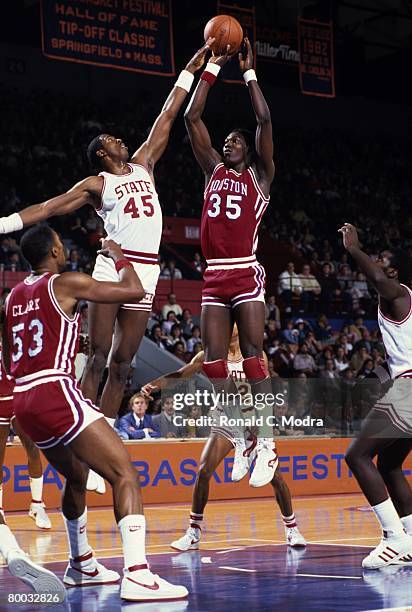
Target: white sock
110	421
289	521
7	541
133	534
388	517
196	523
406	522
77	535
36	488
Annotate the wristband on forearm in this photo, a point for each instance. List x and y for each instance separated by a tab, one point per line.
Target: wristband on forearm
122	263
210	73
12	223
249	75
185	80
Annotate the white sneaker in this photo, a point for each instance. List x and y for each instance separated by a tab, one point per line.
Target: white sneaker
95	574
38	513
190	541
38	578
241	462
390	551
294	538
95	483
145	586
266	463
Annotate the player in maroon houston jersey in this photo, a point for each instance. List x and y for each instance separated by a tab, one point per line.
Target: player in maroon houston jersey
40	342
236	196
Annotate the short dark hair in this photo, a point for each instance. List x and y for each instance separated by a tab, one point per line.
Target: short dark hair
36	244
402	262
94	146
249	138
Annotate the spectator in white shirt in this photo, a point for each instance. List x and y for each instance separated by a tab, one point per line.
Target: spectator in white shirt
171	305
310	288
289	285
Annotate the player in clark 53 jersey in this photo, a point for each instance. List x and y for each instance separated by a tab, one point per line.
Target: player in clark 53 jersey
235	199
221	441
386	433
124	195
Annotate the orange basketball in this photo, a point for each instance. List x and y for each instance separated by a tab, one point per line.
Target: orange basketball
227	31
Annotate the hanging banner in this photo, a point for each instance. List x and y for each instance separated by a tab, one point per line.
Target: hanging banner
122	34
246	17
316	70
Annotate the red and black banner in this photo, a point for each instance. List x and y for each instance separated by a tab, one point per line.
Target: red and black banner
316	70
130	35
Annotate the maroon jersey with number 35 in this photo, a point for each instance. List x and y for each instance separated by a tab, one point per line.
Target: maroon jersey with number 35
233	208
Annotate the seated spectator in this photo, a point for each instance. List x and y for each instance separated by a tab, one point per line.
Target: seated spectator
194	339
342	341
322	328
164	272
170	271
137	425
303	327
164	421
197	263
310	289
314	347
171	320
272	310
340	360
289	284
290	334
360	293
175	337
16	263
365	340
157	337
304	362
74	262
345	278
330	290
171	304
196	431
179	351
329	371
358	358
366	369
283	360
186	323
322	358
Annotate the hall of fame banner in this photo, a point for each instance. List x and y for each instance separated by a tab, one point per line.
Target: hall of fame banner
316	69
246	17
133	35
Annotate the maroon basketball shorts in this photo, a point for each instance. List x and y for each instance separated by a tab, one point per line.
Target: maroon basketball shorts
6	410
51	409
231	287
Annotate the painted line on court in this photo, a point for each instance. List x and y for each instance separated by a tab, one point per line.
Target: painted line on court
331	543
236	569
325	576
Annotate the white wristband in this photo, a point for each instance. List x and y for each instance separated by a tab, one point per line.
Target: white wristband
249	75
185	80
12	223
213	68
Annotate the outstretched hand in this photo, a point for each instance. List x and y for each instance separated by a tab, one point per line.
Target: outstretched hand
221	60
349	235
199	57
246	63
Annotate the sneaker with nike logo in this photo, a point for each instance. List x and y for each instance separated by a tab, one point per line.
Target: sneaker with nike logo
142	585
92	573
189	541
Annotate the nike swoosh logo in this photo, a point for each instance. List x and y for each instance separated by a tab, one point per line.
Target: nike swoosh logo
134	529
151	587
82	529
91	574
272	462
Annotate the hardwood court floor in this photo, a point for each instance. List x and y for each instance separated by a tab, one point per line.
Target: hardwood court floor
243	560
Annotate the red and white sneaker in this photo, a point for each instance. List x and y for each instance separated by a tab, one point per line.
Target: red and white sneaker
37	577
294	538
190	541
142	585
266	463
87	570
38	513
393	550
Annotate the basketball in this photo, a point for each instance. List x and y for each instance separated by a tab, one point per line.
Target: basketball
227	31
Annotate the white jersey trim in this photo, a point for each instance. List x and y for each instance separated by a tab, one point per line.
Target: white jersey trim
212	175
56	303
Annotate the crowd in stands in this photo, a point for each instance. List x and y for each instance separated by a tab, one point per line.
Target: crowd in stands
324	178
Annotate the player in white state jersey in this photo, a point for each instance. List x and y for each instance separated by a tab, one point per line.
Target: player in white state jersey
124	195
386	432
221	441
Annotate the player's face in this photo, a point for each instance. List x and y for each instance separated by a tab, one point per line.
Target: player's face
115	147
234	149
384	263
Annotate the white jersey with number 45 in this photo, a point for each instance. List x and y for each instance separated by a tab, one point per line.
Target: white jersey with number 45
132	217
131	213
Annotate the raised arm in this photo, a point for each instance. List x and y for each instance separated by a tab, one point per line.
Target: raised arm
70	287
388	288
153	148
264	137
86	192
186	371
